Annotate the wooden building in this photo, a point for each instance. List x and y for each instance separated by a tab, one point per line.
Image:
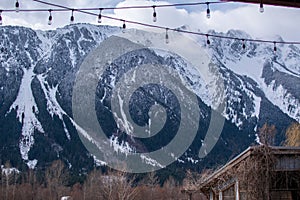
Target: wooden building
260	172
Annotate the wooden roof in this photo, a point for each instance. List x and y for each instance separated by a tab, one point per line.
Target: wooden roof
288	3
242	156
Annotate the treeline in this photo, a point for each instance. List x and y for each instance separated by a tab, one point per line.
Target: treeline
53	183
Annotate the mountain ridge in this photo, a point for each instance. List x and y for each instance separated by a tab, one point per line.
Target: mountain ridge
38	70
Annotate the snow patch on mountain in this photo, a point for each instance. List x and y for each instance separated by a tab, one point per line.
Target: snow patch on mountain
9	170
53	106
27	109
32	163
122	122
73	56
256	101
246	66
122	147
278	95
250	62
190	159
99	162
283	99
151	161
45	45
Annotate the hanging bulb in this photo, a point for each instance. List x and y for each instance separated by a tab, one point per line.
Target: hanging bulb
0	17
207	40
167	36
50	18
244	45
261	7
17	6
124	27
100	16
275	48
154	15
72	17
207	11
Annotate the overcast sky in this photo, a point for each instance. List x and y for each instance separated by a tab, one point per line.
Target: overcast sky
274	21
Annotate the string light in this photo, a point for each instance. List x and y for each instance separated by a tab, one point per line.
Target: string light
244	44
50	18
154	15
17	5
261	7
167	36
161	27
0	17
151	6
275	48
83	10
72	17
100	16
207	40
207	11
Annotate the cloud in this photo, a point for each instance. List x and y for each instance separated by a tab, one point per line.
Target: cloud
168	16
274	21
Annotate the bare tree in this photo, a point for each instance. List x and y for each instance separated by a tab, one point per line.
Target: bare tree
151	181
191	183
77	192
171	189
256	172
293	135
93	185
56	176
30	181
117	186
267	134
9	176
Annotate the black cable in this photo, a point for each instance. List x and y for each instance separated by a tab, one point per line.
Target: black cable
113	8
60	8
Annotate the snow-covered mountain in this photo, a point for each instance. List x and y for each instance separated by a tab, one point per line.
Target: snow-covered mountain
38	70
274	75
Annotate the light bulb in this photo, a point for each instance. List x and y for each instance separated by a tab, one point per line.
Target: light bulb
17	6
207	11
275	48
154	15
50	18
100	16
207	40
261	8
72	17
124	27
244	45
167	37
0	18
